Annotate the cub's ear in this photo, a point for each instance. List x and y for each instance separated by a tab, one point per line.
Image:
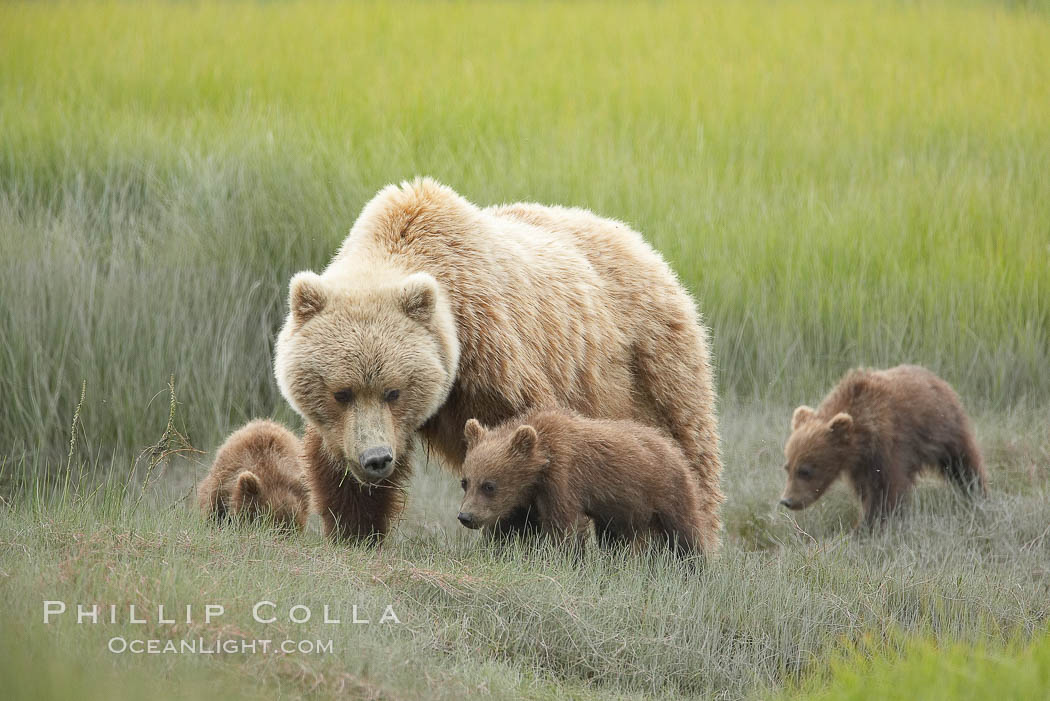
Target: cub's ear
418	297
247	487
306	296
801	416
473	432
841	424
524	440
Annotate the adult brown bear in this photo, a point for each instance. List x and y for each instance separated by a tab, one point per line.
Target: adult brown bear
435	311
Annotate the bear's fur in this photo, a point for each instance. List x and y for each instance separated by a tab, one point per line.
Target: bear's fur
629	479
257	475
435	311
881	428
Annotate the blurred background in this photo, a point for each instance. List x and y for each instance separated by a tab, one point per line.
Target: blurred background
838	184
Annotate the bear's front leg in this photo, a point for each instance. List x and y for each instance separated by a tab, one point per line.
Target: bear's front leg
522	523
362	511
879	506
562	520
350	509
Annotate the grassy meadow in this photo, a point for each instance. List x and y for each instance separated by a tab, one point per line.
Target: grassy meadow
838	184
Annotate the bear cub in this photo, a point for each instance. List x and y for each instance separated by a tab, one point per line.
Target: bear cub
881	428
629	479
257	475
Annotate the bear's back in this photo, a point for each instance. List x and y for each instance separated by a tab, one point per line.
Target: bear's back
623	453
904	405
264	447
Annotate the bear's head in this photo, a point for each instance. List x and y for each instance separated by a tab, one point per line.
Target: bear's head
367	363
284	505
817	452
500	472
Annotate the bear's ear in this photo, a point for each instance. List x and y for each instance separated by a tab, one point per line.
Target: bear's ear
306	296
419	297
247	487
473	432
801	416
840	424
524	440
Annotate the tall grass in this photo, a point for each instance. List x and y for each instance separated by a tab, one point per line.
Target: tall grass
784	596
839	184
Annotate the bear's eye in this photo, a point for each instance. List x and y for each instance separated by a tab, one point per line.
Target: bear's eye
392	395
805	472
488	488
344	396
463	483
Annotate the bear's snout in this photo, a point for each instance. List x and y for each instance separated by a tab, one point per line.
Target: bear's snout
789	503
377	462
467	520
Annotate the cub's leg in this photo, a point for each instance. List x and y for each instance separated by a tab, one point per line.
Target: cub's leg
963	466
609	536
881	504
522	523
681	532
561	519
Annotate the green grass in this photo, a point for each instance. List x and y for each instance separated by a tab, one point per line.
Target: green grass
771	610
925	669
838	183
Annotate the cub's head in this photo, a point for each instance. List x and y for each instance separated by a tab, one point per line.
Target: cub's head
817	452
500	472
367	363
285	505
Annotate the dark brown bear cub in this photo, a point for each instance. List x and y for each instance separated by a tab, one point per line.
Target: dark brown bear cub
629	479
256	475
881	428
